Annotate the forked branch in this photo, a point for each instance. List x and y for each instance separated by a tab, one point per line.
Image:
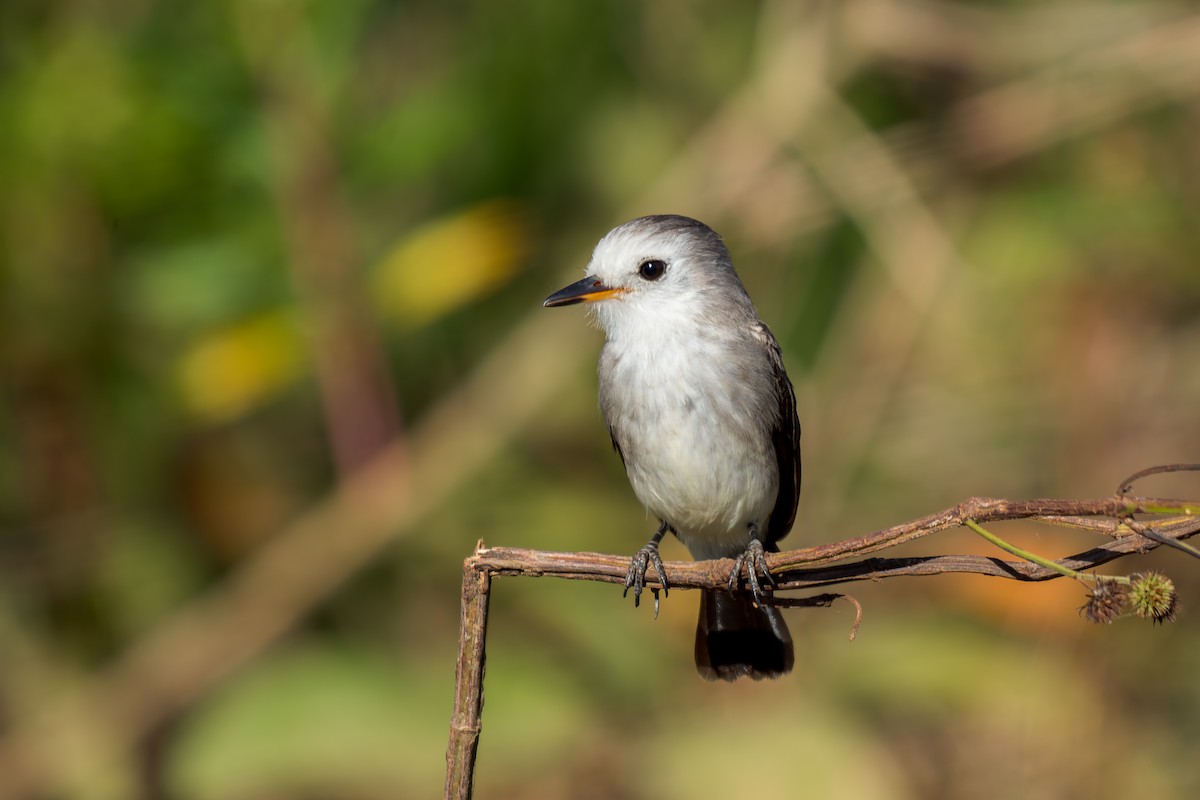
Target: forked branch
1130	524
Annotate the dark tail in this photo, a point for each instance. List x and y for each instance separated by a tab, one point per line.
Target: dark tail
736	638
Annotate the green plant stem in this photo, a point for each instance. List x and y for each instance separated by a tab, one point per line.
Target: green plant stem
1033	557
1185	509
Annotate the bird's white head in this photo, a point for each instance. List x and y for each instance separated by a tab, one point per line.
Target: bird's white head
663	267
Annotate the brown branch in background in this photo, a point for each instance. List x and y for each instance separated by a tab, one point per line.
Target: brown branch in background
358	400
811	567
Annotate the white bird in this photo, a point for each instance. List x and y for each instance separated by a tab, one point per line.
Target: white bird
700	409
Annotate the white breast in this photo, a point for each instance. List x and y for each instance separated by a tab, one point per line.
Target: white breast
696	455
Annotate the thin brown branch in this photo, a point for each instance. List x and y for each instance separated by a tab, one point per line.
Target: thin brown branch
814	566
810	567
1127	485
822	601
715	574
1150	533
468	681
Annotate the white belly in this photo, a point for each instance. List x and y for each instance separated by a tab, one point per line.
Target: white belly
696	455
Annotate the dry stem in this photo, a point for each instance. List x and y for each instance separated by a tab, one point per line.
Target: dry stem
809	567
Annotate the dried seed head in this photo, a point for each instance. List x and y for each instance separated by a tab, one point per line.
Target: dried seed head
1105	602
1153	596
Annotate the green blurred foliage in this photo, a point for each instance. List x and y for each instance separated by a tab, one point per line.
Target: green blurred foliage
246	246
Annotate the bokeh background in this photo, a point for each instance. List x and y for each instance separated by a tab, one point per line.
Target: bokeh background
273	360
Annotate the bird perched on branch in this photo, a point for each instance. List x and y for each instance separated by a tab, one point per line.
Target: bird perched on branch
702	413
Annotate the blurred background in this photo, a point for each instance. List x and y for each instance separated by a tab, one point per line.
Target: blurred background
273	360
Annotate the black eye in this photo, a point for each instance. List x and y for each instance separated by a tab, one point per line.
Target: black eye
652	269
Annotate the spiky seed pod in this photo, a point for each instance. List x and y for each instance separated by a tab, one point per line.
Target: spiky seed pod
1153	596
1105	602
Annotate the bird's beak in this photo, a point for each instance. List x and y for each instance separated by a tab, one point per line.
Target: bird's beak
588	290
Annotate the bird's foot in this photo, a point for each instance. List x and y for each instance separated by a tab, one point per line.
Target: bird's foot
635	576
754	560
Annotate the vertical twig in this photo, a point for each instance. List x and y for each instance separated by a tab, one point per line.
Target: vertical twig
468	680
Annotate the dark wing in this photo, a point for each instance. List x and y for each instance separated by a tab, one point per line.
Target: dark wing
785	436
612	434
604	389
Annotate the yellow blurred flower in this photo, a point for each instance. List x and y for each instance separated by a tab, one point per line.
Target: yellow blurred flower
235	369
449	262
434	270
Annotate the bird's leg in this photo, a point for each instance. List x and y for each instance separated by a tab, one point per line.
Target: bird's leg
635	578
754	559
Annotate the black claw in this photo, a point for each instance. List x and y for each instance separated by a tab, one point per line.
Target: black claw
754	560
639	565
635	576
